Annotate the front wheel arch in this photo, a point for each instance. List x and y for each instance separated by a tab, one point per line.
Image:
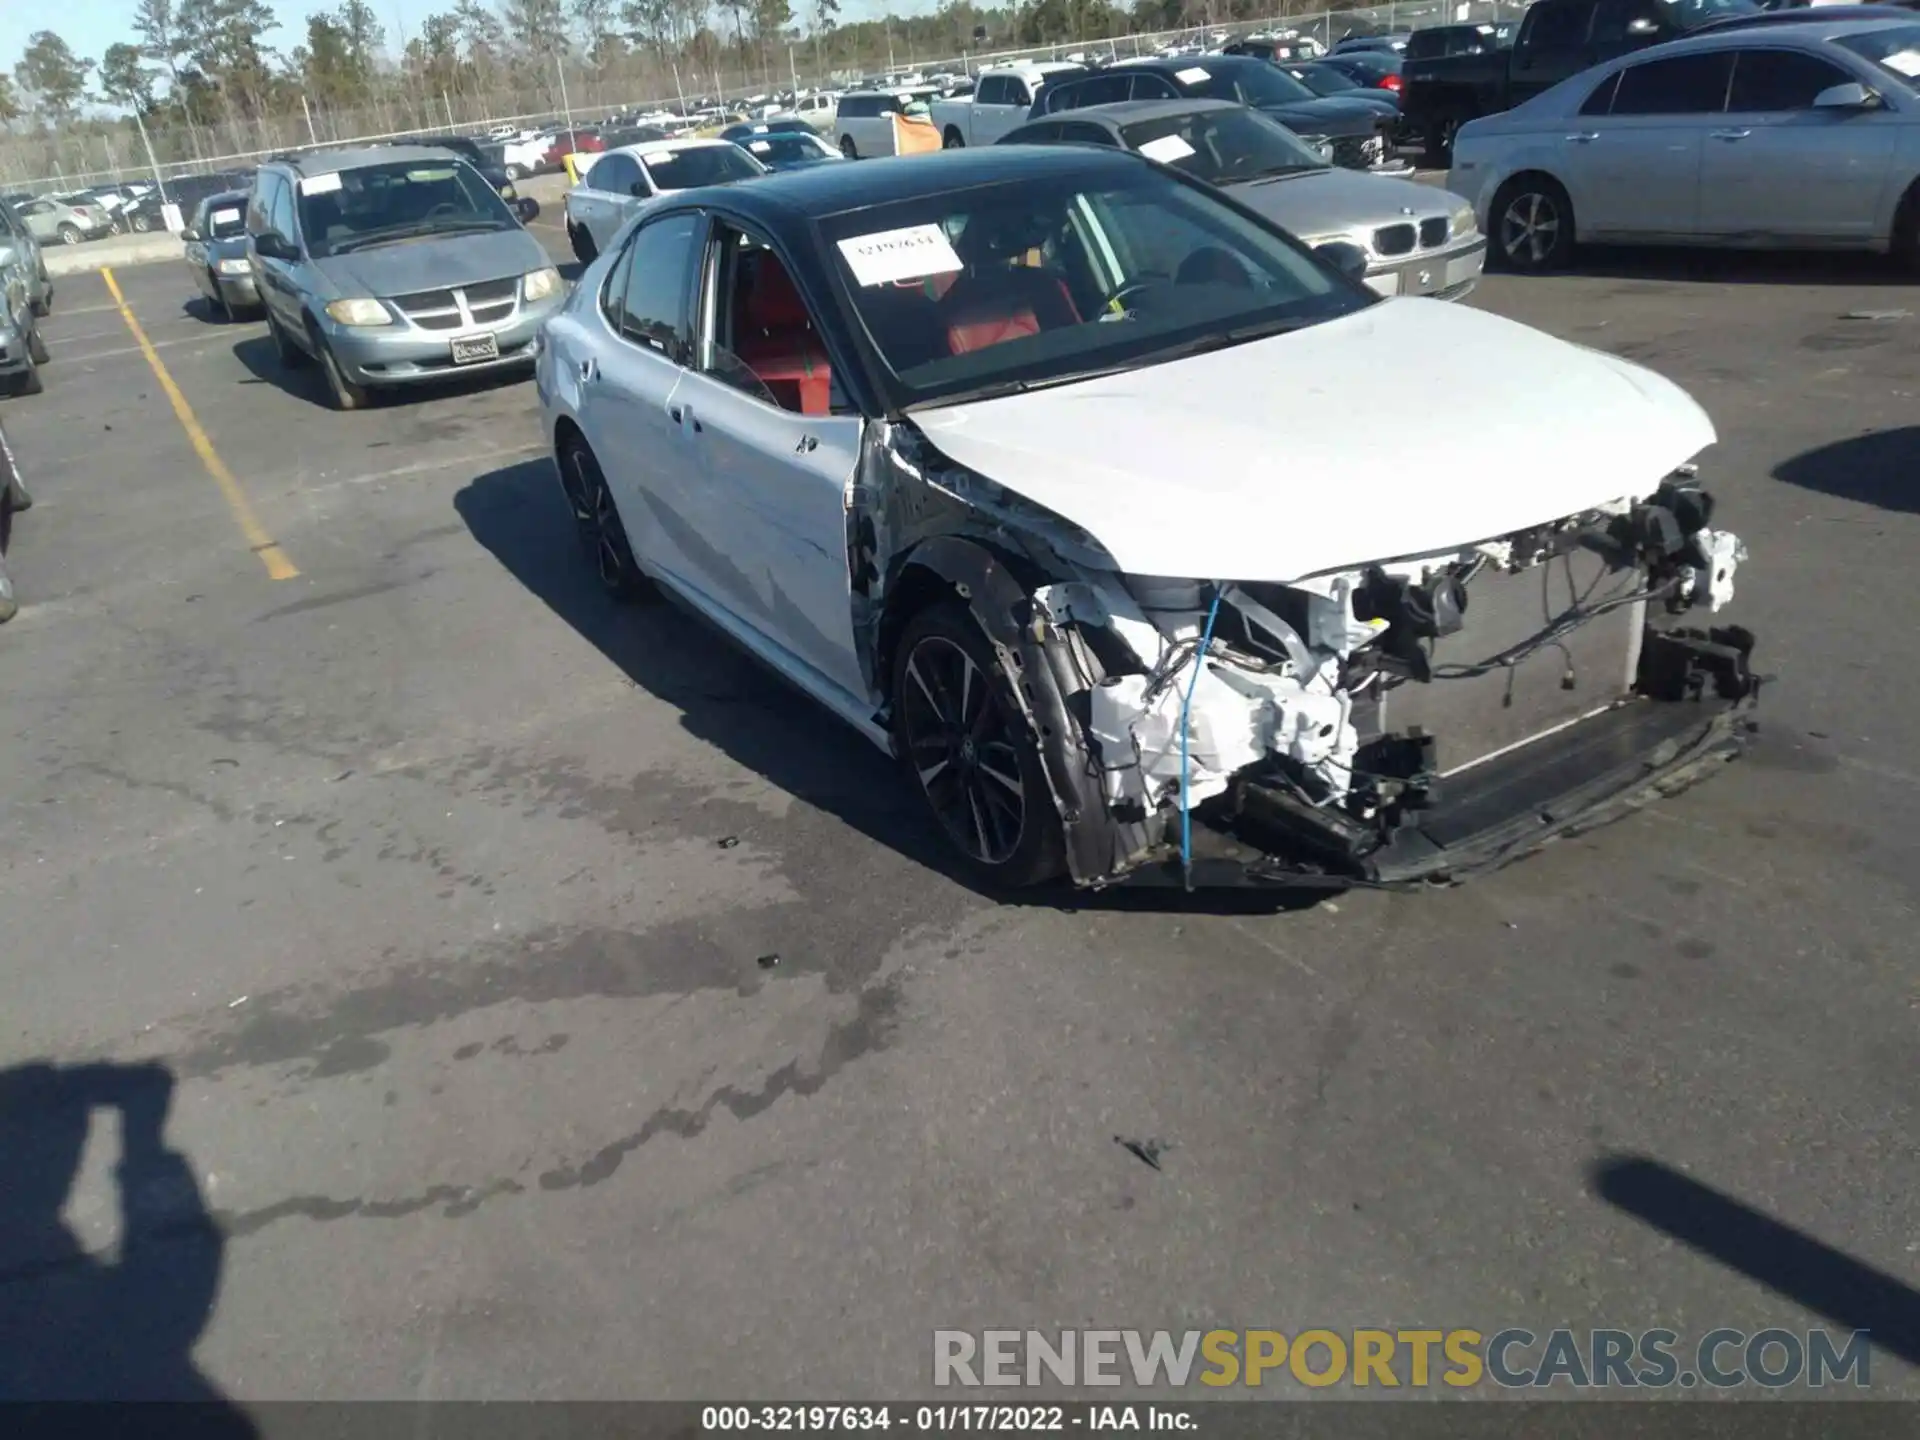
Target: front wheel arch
1548	184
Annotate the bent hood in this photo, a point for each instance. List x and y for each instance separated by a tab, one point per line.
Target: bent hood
1270	461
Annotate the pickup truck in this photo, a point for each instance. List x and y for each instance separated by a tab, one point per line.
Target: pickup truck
1001	98
1557	39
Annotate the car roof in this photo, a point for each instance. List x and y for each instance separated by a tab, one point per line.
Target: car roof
1825	15
329	162
236	197
1812	31
816	191
641	149
1127	112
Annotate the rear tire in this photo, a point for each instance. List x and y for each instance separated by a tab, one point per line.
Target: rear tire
1531	224
1906	230
584	250
515	172
597	524
968	751
953	140
70	235
1438	151
141	224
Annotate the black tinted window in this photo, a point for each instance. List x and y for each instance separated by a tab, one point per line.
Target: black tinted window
1085	134
855	106
1554	27
1684	85
1780	80
1103	90
615	174
653	298
1601	100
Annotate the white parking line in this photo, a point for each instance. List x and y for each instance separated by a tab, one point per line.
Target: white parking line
66	356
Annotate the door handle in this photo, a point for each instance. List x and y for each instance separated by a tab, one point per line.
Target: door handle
679	414
808	444
1731	134
1584	137
589	370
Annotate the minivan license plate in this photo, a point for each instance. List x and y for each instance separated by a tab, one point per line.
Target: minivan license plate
476	348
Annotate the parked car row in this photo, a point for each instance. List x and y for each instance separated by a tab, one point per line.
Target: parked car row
1797	128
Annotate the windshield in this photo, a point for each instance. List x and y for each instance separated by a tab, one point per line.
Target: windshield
400	200
1895	50
1690	14
1255	84
1322	79
1222	147
787	148
1033	282
226	217
700	165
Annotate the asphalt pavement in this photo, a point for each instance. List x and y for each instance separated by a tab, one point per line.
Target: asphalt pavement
423	979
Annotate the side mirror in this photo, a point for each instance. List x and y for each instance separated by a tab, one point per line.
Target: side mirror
190	235
1350	260
639	190
1850	96
269	245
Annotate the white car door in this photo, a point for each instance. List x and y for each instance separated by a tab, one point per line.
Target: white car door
627	385
772	505
1001	106
606	197
1634	170
1778	165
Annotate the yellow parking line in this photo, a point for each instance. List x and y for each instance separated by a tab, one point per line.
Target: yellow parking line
279	567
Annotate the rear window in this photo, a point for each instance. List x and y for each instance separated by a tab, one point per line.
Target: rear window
227	218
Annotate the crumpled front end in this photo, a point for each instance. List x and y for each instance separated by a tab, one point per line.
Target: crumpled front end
1412	720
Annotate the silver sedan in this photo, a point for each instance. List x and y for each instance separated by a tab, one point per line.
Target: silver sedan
1403	238
1787	133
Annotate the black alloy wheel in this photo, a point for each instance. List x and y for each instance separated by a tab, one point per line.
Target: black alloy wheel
596	522
963	739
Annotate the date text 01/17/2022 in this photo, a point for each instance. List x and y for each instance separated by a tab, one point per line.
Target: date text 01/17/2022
941	1419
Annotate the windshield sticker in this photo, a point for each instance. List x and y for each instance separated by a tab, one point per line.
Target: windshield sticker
1167	149
226	217
761	147
320	184
1906	62
915	253
1194	76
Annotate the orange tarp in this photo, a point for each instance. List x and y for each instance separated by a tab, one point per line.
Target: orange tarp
913	134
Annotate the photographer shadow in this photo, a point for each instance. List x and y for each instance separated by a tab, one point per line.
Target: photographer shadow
77	1325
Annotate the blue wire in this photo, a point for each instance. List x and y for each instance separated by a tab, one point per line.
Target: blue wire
1186	709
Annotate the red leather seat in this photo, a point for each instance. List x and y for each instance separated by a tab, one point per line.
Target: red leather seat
774	337
990	306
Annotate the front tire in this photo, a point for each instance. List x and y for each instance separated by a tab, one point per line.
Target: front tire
1906	231
70	235
515	172
1438	152
848	148
37	347
1532	224
217	300
597	524
953	140
28	381
346	395
968	750
141	224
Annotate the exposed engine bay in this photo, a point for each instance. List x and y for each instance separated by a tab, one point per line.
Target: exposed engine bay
1319	730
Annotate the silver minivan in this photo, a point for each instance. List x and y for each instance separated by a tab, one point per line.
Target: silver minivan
395	266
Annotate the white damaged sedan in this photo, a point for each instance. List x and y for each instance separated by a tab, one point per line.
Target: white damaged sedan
1038	467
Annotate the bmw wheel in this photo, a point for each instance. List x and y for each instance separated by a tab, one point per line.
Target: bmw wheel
968	749
1532	224
597	524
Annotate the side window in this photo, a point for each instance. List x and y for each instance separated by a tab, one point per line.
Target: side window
1044	132
280	210
888	105
1019	94
647	303
1553	27
992	91
764	341
1684	85
1780	80
1600	102
1107	90
617	175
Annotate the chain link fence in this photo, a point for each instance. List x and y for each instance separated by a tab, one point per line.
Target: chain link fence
575	94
